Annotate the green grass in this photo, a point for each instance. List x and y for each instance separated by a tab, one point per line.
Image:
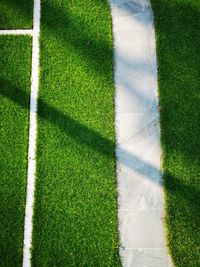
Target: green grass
75	222
178	51
16	14
14	81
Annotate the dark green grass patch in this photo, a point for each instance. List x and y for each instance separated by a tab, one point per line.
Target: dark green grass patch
16	14
14	81
178	50
75	222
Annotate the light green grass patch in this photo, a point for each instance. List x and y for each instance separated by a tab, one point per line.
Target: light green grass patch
15	65
75	222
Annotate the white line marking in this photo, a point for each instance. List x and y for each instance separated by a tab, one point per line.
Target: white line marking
28	226
16	32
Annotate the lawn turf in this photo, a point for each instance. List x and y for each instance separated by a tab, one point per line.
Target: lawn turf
16	14
14	104
178	51
75	217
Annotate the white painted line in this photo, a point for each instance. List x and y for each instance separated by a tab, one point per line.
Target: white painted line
16	32
28	226
138	151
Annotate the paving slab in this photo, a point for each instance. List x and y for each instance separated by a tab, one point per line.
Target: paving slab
156	257
138	150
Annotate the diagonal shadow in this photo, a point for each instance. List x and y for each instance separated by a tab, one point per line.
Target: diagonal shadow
72	32
88	43
84	135
80	133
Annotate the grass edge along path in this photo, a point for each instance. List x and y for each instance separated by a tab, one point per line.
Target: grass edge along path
75	217
178	43
15	87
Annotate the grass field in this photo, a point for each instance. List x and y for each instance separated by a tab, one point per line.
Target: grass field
16	14
15	65
178	51
75	221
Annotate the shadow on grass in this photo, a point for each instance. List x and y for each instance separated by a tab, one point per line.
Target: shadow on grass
178	41
80	133
16	14
179	64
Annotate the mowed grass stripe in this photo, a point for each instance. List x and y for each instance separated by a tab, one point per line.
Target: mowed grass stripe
14	104
75	220
178	42
16	14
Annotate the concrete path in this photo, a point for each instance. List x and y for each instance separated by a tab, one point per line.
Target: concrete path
138	151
